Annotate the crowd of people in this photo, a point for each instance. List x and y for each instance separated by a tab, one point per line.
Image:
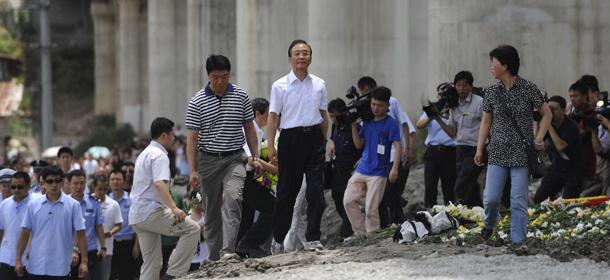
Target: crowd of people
119	218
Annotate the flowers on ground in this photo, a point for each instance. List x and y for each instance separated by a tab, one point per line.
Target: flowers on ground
560	219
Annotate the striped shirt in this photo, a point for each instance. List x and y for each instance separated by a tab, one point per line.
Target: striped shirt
219	120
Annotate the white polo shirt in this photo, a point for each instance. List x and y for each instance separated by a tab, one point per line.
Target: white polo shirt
151	166
298	102
112	213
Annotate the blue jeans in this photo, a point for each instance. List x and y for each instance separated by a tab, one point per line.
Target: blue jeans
492	196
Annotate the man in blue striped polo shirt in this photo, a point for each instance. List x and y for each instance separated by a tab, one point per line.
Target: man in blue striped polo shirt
215	140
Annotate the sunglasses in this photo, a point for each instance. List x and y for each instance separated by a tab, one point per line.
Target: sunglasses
128	171
21	187
51	181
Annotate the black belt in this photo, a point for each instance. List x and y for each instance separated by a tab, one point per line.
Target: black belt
441	147
304	128
221	154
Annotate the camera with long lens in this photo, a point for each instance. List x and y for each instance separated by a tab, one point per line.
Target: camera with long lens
358	108
449	99
601	107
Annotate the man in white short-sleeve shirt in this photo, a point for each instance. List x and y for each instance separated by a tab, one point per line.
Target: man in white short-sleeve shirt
153	209
300	99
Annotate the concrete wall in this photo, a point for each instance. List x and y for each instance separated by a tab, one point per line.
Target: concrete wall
558	41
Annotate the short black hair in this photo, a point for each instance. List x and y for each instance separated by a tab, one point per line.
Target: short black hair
51	170
560	100
217	62
580	88
22	175
299	41
64	150
336	105
464	75
76	172
128	163
99	179
159	126
117	171
507	55
259	105
382	94
367	81
590	81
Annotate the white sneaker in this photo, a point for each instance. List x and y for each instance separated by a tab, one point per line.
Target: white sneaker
314	245
231	256
277	248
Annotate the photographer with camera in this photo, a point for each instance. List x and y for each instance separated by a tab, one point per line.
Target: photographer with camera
439	159
390	208
566	170
376	136
344	156
464	122
583	114
601	145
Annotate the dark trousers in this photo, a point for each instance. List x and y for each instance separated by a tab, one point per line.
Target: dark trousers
92	261
43	277
252	235
467	190
339	184
390	207
569	179
7	272
299	152
439	163
166	251
124	267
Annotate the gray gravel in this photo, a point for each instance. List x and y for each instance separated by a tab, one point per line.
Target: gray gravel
456	267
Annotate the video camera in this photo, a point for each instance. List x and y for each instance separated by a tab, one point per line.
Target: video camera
449	99
589	117
358	108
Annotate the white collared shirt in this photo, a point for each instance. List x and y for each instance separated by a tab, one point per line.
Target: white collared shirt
151	166
298	102
259	137
112	213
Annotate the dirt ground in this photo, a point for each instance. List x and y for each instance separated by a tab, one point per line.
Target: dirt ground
381	248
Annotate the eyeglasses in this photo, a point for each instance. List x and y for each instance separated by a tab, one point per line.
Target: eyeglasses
57	181
17	187
128	170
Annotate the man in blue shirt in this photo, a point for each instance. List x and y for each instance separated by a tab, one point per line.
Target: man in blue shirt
54	221
126	247
439	159
12	211
94	220
567	170
377	136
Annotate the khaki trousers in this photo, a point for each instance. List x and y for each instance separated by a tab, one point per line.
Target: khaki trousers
357	186
149	233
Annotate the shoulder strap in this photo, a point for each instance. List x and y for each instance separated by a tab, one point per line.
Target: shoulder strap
512	120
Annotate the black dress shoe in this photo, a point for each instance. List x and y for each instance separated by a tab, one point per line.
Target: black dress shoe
486	233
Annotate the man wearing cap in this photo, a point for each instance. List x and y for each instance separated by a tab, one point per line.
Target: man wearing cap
12	212
5	183
37	166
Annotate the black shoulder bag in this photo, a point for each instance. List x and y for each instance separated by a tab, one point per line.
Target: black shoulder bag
536	164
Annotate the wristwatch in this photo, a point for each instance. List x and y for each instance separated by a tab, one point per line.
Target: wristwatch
255	159
75	249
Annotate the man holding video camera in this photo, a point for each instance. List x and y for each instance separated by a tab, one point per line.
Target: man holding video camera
583	114
390	208
464	122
